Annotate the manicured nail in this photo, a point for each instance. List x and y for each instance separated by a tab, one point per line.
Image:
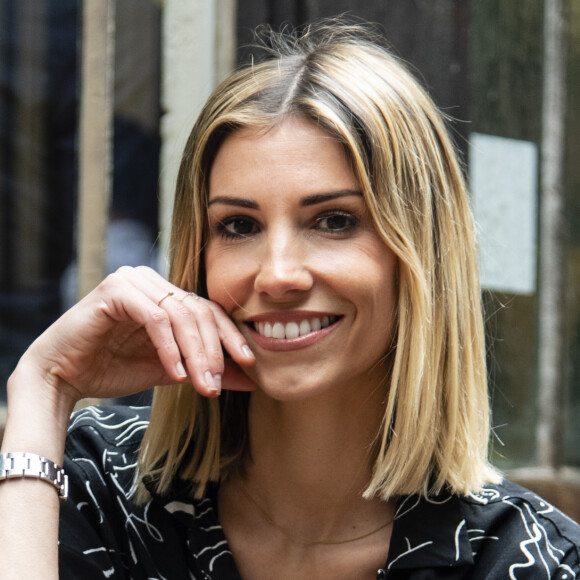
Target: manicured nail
180	370
214	382
247	352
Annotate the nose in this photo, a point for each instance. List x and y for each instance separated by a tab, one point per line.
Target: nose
283	268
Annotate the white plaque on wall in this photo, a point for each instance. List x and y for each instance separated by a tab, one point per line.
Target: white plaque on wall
503	182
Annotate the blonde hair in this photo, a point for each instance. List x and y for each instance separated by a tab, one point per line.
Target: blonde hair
436	424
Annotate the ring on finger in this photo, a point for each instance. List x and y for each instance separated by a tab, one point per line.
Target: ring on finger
170	293
192	294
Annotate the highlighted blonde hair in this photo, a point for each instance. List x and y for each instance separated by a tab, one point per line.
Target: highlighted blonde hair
436	424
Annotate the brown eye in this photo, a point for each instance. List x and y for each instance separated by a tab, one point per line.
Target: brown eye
237	227
337	222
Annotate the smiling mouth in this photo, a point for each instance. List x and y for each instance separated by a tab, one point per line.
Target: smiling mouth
294	329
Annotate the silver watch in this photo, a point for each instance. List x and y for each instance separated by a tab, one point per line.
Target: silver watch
34	466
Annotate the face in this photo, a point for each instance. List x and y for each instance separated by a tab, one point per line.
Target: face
294	258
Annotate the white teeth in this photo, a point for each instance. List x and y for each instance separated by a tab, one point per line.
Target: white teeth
278	330
305	327
267	330
293	329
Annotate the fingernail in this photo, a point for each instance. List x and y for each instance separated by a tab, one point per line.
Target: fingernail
214	382
246	350
180	370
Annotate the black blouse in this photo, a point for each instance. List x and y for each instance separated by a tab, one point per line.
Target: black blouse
503	532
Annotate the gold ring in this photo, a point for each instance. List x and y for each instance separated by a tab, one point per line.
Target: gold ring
170	293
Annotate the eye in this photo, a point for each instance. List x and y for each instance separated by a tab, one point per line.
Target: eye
237	227
336	222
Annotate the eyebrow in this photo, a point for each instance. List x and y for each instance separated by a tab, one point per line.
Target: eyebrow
309	200
328	196
237	201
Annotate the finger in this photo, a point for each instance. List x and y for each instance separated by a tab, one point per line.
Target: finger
122	302
199	343
227	332
151	283
199	327
201	346
231	337
193	326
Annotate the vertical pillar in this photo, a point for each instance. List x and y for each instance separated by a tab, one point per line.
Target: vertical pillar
198	46
30	132
551	376
95	157
225	38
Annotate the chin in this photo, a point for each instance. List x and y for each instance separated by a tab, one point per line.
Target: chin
284	386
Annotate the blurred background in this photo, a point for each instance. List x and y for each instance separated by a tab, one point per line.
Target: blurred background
97	99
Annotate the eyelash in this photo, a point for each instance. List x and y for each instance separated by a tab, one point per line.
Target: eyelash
221	227
353	221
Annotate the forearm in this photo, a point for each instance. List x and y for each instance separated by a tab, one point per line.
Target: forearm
29	508
125	336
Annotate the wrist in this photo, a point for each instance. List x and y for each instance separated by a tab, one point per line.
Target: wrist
30	380
38	414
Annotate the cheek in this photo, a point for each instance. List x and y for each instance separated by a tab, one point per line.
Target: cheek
225	278
216	276
376	284
372	270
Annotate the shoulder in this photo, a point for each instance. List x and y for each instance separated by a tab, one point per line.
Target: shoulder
504	531
103	532
104	441
515	526
510	505
119	426
111	435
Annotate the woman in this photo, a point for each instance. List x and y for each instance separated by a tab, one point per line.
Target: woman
322	237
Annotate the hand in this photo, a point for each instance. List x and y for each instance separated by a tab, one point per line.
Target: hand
134	331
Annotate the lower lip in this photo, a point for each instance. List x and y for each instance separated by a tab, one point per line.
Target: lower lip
288	344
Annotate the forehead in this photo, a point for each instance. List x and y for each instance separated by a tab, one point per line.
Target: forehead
294	155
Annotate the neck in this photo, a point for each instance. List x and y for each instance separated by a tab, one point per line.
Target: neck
311	462
312	443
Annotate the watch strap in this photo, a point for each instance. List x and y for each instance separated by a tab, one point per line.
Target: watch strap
30	465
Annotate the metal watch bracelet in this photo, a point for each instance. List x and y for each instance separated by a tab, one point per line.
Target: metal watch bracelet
17	464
